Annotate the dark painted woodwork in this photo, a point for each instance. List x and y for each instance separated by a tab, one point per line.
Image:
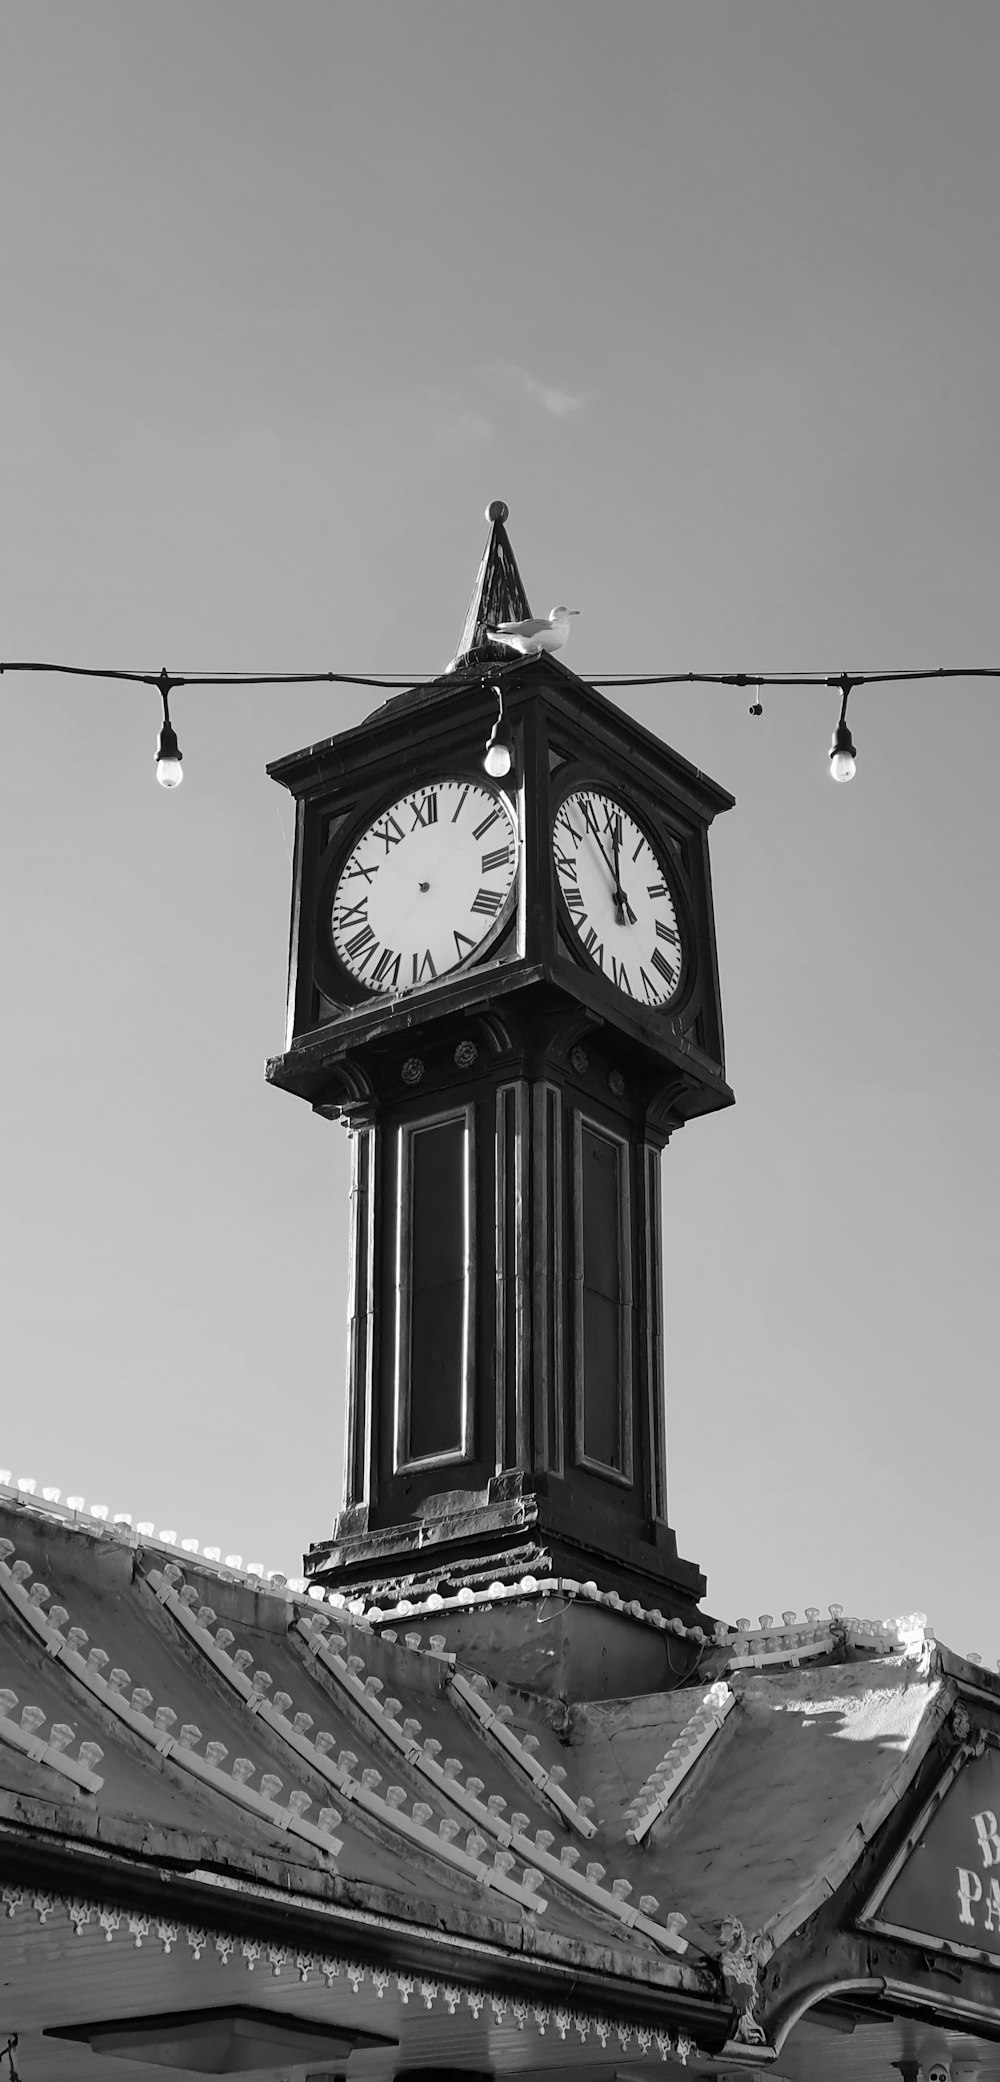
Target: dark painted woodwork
604	1304
506	1386
433	1302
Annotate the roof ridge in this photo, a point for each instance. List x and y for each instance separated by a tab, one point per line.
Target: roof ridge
100	1521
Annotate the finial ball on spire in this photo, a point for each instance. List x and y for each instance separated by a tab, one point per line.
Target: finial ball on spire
497	511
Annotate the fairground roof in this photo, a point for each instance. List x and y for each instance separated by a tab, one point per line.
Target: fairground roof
206	1775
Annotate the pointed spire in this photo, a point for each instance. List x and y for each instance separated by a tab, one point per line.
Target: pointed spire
497	596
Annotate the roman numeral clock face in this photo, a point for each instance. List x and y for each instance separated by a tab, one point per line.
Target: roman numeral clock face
619	901
428	885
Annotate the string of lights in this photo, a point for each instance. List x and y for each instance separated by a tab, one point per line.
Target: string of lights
499	750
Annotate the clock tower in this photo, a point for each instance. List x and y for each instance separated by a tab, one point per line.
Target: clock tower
503	982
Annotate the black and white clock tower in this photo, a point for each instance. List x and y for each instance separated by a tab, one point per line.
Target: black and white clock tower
506	987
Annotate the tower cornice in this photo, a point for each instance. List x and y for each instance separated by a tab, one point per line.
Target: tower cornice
449	702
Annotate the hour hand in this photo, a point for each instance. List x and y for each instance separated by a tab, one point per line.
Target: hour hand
626	915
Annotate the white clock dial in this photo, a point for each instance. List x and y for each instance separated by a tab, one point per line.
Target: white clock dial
617	895
426	886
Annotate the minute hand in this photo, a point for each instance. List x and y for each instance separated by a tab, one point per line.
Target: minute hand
626	915
606	854
622	904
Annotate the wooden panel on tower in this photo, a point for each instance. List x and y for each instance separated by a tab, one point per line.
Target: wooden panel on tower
652	1239
603	1302
361	1316
551	1275
434	1291
512	1224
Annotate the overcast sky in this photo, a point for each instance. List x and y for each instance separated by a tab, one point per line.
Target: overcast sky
710	295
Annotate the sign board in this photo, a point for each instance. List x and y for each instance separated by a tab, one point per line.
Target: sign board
944	1886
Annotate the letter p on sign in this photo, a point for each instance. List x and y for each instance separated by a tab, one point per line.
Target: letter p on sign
970	1889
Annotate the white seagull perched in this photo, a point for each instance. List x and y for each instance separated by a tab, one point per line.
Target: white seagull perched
530	637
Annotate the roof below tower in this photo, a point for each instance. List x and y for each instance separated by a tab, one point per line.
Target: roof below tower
688	1870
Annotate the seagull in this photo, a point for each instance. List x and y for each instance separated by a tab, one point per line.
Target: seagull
531	637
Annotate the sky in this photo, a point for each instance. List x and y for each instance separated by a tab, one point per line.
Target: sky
709	294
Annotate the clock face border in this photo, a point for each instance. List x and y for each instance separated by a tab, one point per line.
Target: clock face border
580	780
331	975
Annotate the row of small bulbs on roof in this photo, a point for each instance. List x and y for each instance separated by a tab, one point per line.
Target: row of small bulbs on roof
766	1621
146	1529
788	1619
298	1585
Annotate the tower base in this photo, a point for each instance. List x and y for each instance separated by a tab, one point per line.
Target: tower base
469	1539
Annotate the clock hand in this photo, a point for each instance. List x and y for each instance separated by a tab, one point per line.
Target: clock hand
623	909
626	915
611	863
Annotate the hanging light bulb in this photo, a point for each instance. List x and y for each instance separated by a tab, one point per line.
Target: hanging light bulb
843	753
843	756
169	771
499	755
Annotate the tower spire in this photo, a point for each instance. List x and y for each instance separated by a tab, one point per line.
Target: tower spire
497	596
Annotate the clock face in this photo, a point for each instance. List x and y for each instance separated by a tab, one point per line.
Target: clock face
427	886
616	892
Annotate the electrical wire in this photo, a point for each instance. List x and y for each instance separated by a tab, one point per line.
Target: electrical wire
169	764
814	678
209	679
794	679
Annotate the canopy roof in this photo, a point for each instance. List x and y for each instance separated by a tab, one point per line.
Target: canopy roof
199	1768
